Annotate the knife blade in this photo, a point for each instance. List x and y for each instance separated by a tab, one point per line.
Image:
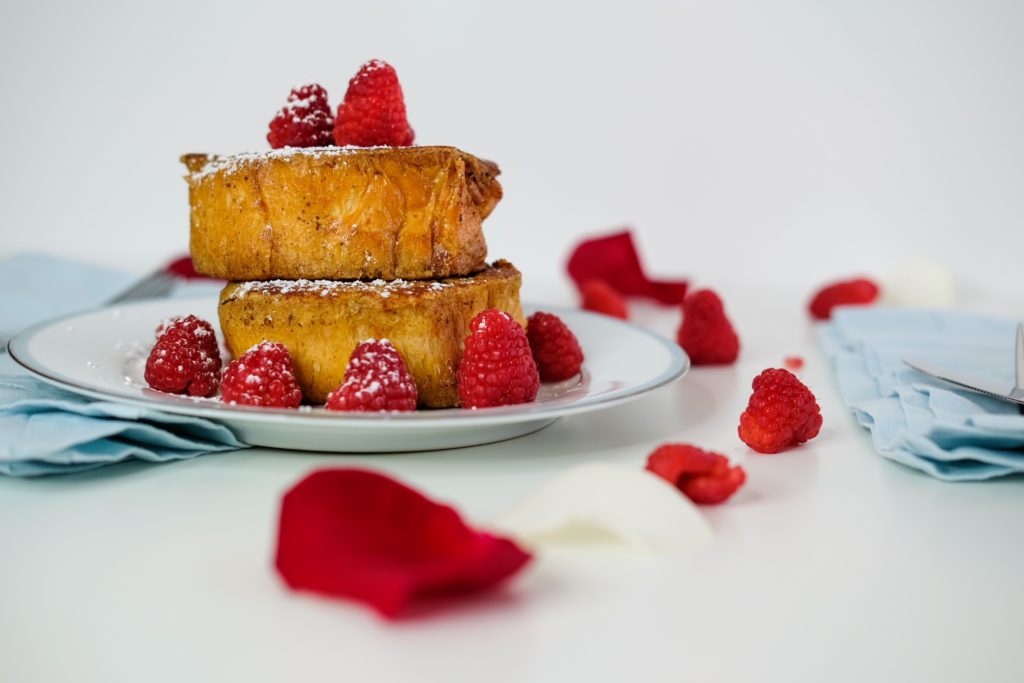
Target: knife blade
1019	357
1014	394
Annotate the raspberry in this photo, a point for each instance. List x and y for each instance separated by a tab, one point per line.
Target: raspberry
497	368
852	292
304	121
263	376
599	297
555	348
706	334
704	477
191	329
185	358
373	112
782	412
376	379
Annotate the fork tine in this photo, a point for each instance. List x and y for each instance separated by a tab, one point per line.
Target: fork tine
166	285
139	290
153	287
134	290
155	284
159	286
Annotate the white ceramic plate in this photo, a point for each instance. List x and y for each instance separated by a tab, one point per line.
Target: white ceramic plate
102	353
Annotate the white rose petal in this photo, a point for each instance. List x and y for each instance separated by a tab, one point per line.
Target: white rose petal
920	283
608	504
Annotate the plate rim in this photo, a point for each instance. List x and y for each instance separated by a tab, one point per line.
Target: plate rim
678	366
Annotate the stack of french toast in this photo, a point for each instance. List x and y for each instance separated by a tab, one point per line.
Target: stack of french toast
324	247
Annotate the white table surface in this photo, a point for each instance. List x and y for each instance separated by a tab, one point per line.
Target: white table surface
830	564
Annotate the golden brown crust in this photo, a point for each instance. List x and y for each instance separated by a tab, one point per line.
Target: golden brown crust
340	213
321	323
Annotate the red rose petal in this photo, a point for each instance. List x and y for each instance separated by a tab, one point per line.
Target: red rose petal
857	292
598	296
185	269
360	535
614	259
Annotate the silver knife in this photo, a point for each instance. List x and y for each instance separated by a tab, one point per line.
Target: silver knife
1013	394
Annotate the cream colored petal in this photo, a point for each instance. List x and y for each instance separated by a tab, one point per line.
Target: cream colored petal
602	504
921	283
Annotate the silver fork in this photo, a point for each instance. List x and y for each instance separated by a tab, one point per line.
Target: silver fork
157	284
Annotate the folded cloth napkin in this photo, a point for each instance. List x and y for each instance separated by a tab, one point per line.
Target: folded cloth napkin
951	434
45	430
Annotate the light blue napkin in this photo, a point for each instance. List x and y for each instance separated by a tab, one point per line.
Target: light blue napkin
45	430
915	420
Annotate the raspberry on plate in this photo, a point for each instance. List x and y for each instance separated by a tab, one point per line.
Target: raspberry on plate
262	376
185	358
373	112
304	121
497	367
706	334
860	291
376	379
599	297
555	348
191	329
704	477
782	412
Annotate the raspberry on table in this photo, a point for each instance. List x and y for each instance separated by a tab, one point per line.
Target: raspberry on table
598	296
304	121
262	376
497	367
555	348
185	358
706	334
781	413
376	379
860	291
704	477
373	112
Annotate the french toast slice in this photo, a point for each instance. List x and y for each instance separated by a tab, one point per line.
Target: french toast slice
340	213
322	321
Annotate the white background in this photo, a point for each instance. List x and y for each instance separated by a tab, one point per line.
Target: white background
796	141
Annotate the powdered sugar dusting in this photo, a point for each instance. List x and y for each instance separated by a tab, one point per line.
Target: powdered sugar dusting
383	288
367	68
237	162
135	356
307	102
296	102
